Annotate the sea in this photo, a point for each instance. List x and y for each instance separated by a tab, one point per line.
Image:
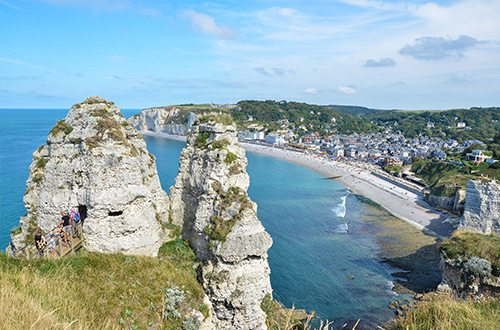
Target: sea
324	258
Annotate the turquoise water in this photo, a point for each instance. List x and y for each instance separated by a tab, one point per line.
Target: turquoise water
317	227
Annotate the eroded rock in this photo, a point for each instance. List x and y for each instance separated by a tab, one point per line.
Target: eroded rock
95	162
209	200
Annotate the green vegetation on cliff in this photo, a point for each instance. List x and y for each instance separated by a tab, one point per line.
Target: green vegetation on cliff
445	312
471	251
100	291
445	178
465	245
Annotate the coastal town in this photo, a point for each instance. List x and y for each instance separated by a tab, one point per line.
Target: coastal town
389	150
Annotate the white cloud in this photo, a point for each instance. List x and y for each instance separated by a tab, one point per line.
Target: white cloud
111	77
206	24
37	67
311	91
477	18
11	6
347	90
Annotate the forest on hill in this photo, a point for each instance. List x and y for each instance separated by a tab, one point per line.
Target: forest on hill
314	117
458	124
480	123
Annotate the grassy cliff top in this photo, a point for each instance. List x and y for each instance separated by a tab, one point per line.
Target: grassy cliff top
465	244
98	291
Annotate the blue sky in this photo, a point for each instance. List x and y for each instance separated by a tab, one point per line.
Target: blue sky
380	54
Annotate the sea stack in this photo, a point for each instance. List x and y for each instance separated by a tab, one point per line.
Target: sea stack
209	200
96	163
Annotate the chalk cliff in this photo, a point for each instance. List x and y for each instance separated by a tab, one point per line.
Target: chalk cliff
209	200
482	208
94	161
169	120
453	204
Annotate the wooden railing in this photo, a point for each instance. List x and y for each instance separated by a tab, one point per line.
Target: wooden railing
55	246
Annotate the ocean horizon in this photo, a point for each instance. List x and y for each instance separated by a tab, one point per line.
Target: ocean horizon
323	258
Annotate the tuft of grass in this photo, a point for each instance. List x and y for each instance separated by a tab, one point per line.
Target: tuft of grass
445	312
41	162
220	144
230	158
92	291
201	140
222	227
61	127
280	318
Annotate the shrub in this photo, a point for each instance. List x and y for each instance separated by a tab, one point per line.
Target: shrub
477	267
41	162
61	126
230	158
219	144
222	227
201	140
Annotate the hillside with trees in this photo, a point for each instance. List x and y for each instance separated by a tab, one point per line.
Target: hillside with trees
479	123
314	118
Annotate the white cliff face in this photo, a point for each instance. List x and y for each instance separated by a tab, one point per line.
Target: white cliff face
163	120
220	222
482	208
95	162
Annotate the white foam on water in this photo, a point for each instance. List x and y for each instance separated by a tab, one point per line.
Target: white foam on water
340	210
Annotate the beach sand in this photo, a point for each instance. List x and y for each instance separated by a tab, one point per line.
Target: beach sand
405	204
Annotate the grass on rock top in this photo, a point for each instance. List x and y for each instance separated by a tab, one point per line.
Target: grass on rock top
94	291
465	244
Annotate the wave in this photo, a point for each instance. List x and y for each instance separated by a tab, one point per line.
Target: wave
342	229
389	289
340	210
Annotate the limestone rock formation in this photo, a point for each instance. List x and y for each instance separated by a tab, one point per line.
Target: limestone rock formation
462	279
482	208
94	161
220	222
169	120
453	204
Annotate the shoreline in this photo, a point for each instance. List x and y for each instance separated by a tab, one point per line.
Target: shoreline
405	204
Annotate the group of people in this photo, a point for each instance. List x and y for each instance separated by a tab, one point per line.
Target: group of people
68	227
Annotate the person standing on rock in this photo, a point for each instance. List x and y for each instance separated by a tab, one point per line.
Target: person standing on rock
66	224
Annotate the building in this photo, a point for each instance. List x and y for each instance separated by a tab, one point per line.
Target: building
338	152
477	156
245	135
460	125
393	161
275	139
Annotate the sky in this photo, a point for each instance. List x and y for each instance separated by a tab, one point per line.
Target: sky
380	54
